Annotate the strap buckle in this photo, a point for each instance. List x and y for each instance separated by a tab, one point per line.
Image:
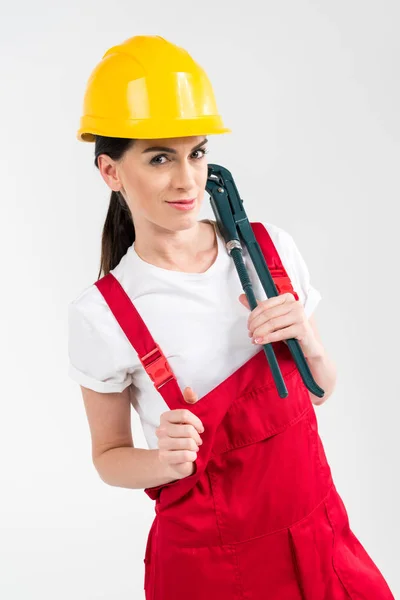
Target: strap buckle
157	367
282	282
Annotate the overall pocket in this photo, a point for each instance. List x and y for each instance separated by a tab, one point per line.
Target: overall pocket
264	471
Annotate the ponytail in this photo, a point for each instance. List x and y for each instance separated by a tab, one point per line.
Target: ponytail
118	233
118	230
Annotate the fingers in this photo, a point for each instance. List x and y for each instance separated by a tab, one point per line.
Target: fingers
269	314
180	423
272	325
277	336
177	457
178	431
179	436
182	415
179	441
271	303
173	443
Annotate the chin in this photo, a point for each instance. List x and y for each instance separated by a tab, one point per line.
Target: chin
183	221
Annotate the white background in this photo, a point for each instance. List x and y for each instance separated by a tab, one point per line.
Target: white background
311	92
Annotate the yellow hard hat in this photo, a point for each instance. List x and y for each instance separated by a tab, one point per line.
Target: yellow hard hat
148	88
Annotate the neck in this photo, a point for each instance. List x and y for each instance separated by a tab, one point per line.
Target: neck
191	250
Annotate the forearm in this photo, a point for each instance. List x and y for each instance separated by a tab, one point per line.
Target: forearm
323	370
135	468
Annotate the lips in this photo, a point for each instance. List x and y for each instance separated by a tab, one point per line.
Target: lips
188	204
185	201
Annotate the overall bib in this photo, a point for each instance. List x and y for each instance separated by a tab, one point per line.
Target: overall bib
260	518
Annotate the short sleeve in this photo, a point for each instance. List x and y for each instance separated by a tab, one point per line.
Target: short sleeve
97	356
295	267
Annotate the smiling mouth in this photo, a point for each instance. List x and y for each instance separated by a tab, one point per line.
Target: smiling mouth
183	204
186	201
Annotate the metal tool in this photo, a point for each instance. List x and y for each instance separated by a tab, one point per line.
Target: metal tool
237	231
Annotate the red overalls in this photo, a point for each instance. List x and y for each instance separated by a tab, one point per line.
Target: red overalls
260	518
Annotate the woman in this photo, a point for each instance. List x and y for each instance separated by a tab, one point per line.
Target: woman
245	504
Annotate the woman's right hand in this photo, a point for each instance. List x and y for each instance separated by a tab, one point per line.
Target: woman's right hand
179	438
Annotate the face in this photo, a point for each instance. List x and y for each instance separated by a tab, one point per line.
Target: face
153	174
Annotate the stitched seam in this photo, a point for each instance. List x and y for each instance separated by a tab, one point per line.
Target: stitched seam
324	469
267	386
333	552
292	524
216	509
296	565
238	579
314	442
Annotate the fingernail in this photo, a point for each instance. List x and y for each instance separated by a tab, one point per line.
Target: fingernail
258	340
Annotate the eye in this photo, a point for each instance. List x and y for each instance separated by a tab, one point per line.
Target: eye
203	150
156	159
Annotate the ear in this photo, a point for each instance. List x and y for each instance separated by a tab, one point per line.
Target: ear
108	171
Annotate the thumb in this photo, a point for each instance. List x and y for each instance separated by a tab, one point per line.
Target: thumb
189	395
243	300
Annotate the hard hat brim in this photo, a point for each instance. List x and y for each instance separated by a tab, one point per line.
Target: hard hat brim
149	128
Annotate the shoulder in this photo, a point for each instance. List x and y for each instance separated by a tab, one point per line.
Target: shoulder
90	303
90	321
284	242
100	355
279	236
295	266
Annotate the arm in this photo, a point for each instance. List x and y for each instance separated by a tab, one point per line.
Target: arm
321	366
114	456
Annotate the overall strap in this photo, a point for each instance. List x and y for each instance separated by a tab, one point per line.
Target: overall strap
150	354
273	260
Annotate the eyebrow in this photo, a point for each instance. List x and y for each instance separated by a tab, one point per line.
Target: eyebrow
172	150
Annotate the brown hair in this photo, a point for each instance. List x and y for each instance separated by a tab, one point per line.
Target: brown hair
118	229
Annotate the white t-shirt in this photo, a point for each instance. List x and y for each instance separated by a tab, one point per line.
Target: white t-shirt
196	318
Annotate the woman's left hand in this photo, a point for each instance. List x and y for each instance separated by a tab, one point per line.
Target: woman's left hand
280	318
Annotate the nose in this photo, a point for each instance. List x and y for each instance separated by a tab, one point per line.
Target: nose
183	178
